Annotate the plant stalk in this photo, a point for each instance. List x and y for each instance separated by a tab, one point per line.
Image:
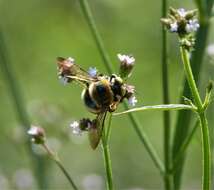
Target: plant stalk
206	177
166	114
107	162
184	117
96	35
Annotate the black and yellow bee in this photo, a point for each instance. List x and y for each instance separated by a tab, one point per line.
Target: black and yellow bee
101	94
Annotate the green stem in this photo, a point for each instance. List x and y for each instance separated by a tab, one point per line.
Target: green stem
97	38
191	81
142	136
184	117
203	121
183	147
108	131
166	114
55	158
107	163
206	178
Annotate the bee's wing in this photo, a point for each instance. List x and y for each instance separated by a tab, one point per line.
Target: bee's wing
76	72
95	133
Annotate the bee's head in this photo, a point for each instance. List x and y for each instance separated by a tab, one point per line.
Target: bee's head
114	79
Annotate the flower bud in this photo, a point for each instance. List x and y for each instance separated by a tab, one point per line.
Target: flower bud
37	134
126	65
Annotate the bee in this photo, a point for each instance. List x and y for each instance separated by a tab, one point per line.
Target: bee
101	94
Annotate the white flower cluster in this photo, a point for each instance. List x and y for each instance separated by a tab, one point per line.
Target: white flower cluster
129	60
34	130
92	71
192	25
63	80
174	27
132	101
182	12
75	127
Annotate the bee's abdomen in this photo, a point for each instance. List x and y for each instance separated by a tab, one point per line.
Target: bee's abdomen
90	103
101	93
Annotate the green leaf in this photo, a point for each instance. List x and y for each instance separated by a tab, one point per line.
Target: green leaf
168	107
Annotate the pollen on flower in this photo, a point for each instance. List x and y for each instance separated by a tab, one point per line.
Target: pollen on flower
76	128
132	101
92	71
126	59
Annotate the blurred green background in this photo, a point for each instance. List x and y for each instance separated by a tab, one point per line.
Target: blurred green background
38	31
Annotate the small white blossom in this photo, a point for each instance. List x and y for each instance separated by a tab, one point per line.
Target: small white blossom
63	80
37	134
174	27
132	101
33	131
76	128
192	26
182	12
210	50
71	60
92	71
126	59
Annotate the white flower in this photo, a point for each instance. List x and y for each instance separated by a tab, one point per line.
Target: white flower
37	134
174	27
71	60
126	59
132	101
76	128
92	71
182	12
63	80
33	131
192	26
